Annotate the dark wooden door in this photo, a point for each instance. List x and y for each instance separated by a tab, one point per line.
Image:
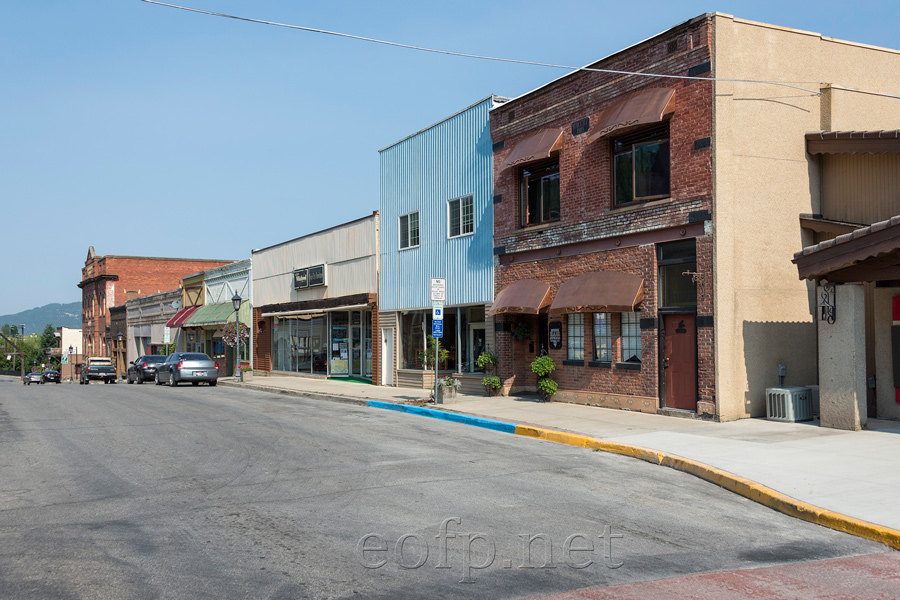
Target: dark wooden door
680	362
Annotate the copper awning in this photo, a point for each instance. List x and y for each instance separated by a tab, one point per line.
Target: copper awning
599	291
868	254
853	142
526	296
181	316
638	108
535	147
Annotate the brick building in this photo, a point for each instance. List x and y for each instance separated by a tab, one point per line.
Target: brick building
646	210
108	281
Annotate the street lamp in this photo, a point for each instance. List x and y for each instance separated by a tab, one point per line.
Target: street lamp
236	303
71	366
119	356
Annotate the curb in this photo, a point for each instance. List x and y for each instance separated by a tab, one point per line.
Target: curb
738	485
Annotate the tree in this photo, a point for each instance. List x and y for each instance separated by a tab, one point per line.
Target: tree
5	330
48	337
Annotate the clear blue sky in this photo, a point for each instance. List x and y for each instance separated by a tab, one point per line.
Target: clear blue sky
146	130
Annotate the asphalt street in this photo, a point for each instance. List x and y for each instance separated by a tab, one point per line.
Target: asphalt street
118	491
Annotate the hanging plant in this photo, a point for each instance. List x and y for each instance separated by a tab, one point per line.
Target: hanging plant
486	359
233	331
521	332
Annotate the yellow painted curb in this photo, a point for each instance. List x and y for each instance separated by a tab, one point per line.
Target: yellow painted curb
739	485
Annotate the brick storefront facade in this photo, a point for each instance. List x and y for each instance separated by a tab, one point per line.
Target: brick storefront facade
592	234
108	281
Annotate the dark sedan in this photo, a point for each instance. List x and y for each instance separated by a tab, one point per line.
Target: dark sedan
144	368
195	367
33	378
50	376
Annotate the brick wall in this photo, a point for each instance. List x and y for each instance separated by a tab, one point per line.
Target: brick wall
586	211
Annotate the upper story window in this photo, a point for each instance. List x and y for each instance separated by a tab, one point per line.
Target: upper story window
461	216
677	273
409	230
641	165
539	193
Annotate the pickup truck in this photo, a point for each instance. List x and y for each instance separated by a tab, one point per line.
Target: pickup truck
97	368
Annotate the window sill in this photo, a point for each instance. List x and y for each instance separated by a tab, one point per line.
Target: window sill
409	248
602	364
628	366
573	363
461	235
538	227
639	206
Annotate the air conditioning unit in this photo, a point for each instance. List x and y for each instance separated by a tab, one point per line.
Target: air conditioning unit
789	404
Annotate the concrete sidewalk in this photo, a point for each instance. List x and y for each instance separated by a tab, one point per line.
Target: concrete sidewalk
853	474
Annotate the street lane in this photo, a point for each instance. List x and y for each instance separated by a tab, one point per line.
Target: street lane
116	491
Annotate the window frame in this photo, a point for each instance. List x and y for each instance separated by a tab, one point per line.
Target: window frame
646	136
409	230
460	202
607	337
574	351
631	332
547	168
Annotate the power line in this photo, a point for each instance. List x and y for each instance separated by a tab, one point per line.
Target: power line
467	55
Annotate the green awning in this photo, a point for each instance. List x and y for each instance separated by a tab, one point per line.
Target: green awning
211	314
245	314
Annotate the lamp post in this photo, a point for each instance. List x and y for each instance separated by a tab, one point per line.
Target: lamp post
236	303
71	366
119	356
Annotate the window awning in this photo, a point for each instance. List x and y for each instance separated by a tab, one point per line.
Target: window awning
526	296
599	291
211	314
868	254
853	142
535	147
637	108
181	316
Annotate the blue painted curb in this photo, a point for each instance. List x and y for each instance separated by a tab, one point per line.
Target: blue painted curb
446	416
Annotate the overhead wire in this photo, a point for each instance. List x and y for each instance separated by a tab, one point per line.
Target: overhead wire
476	56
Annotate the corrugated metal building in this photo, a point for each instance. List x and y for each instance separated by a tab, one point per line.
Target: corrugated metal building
315	303
437	221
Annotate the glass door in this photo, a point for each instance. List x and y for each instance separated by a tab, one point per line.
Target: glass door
356	343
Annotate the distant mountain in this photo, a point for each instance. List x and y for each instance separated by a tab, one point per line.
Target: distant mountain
35	319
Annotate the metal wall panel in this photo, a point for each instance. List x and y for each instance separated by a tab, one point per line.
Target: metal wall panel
860	188
348	251
422	173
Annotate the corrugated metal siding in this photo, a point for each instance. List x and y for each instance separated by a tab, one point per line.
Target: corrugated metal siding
421	173
860	188
348	251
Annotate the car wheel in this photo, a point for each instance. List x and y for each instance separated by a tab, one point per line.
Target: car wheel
212	383
172	382
156	380
139	378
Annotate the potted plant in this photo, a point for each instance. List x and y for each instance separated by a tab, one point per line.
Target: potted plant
446	389
491	384
521	332
542	366
487	361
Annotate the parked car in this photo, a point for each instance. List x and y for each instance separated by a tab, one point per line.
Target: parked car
50	376
187	366
32	378
97	368
144	368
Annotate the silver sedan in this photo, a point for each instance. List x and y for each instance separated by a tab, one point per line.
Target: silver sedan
195	367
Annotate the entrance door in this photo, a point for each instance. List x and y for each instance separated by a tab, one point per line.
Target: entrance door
680	362
477	342
387	357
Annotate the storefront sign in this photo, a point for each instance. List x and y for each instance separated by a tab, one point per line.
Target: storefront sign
308	277
556	335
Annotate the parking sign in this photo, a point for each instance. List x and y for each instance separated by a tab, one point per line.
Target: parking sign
437	329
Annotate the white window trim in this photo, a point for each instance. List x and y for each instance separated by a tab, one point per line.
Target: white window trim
402	248
460	198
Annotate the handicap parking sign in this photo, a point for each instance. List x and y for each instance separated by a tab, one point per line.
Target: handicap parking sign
437	328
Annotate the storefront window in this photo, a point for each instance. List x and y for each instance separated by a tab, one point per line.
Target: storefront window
575	336
602	337
298	344
631	337
340	344
412	332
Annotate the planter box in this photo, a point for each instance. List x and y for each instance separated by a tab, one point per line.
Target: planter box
446	395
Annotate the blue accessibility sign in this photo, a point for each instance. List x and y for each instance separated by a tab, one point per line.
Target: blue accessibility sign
437	328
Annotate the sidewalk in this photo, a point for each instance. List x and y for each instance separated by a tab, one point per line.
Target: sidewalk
853	474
